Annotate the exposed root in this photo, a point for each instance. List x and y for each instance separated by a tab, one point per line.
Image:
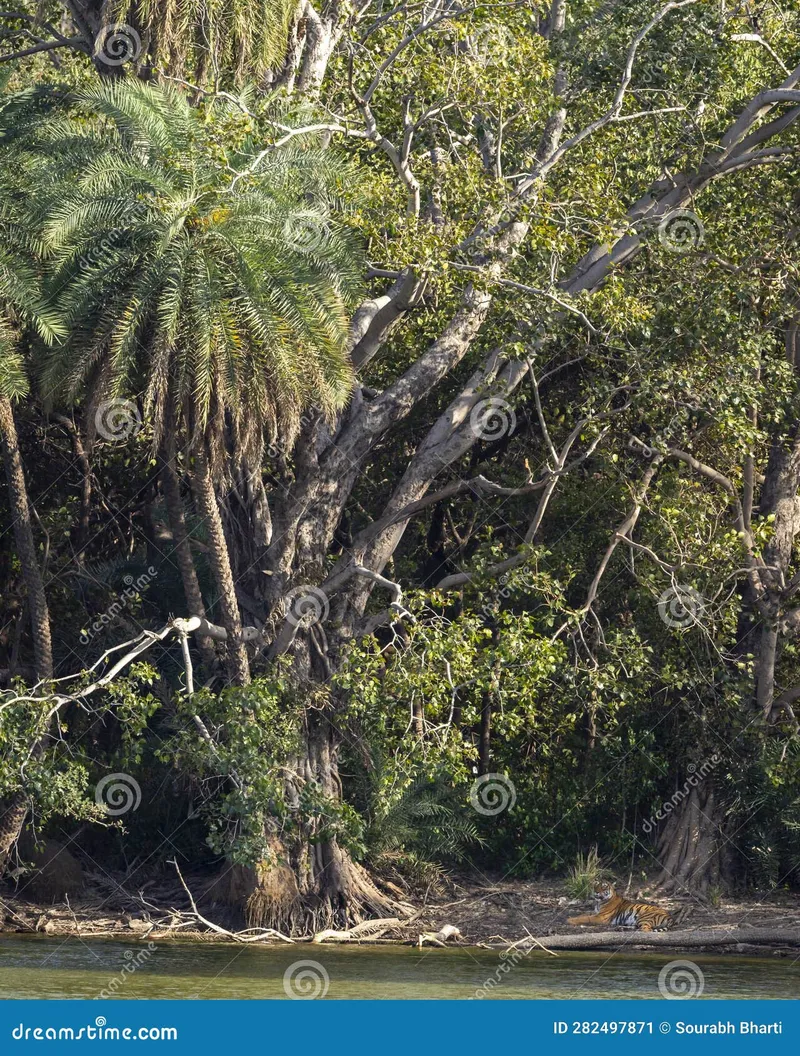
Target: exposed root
328	891
267	895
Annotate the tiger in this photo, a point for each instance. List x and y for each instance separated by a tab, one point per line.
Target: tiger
615	911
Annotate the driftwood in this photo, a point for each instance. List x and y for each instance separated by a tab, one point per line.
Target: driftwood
724	936
250	935
368	931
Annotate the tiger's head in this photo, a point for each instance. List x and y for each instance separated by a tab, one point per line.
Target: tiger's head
603	892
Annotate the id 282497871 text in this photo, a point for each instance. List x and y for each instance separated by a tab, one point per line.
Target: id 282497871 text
646	1027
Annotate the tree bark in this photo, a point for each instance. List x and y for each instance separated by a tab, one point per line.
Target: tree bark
16	809
81	533
691	845
206	498
170	482
12	818
26	545
336	891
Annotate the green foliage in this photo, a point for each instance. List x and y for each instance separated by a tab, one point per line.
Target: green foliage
13	379
423	820
164	248
209	276
243	37
585	874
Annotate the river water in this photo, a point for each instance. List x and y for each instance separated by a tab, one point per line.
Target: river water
45	967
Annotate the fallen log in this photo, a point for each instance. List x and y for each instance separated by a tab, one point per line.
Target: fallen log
724	936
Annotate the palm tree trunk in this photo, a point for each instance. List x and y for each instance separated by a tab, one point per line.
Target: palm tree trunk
170	482
205	496
26	547
81	535
15	810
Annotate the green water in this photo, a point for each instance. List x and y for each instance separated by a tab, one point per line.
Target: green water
39	967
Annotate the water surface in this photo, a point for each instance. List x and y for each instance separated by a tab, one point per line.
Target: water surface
46	967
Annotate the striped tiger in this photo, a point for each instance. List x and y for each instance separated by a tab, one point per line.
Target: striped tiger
615	911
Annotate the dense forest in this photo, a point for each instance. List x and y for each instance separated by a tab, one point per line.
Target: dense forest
399	412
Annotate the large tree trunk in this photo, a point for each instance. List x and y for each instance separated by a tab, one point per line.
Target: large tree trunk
310	882
16	809
12	818
691	846
206	498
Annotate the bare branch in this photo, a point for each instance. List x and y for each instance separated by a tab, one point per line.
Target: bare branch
756	38
78	43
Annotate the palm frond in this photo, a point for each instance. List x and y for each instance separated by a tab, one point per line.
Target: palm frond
159	261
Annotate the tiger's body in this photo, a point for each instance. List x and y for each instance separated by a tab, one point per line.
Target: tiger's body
617	912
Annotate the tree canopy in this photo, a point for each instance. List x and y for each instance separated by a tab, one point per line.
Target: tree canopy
408	400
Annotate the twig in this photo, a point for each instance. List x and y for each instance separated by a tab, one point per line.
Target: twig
267	932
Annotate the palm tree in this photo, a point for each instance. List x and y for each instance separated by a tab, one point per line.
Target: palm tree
215	285
242	38
20	300
245	36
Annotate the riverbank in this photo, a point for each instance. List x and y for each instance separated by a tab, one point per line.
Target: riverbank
496	913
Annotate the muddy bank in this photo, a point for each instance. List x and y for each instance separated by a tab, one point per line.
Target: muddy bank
497	913
509	909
